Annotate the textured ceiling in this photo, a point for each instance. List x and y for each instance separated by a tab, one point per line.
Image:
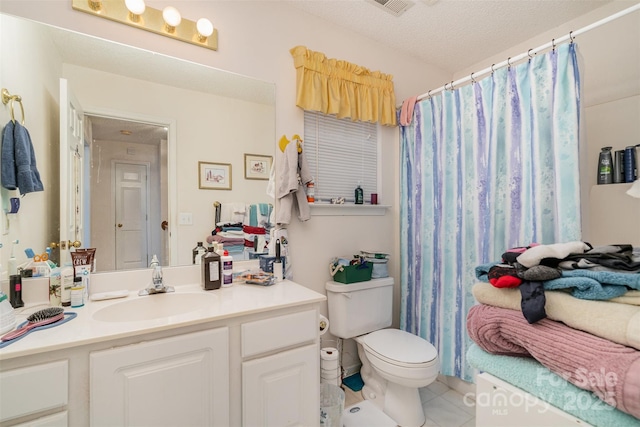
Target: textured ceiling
451	34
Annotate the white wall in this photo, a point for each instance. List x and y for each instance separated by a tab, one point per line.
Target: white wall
36	82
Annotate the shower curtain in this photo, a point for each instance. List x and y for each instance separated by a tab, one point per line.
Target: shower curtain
487	167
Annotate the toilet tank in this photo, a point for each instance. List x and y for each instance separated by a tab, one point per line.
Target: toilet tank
359	308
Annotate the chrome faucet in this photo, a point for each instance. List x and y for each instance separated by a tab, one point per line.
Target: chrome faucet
157	283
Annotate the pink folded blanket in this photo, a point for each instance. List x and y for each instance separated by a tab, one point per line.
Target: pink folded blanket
611	371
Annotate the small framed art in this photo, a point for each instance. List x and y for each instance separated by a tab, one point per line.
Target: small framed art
257	166
214	176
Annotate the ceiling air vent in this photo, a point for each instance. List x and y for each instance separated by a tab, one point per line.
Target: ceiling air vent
394	7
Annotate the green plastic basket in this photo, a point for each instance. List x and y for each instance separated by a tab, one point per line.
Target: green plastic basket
353	273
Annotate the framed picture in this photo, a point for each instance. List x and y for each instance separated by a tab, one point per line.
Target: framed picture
214	176
257	166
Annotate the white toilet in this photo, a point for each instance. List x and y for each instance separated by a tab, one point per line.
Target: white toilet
395	363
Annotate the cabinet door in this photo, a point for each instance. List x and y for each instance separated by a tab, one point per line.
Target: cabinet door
283	389
60	419
176	381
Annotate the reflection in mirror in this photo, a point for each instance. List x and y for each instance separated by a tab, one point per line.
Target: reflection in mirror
211	116
125	159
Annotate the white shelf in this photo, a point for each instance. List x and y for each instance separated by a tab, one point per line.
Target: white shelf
347	209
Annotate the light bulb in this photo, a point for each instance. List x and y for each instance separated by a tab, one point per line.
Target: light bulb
136	7
171	16
205	27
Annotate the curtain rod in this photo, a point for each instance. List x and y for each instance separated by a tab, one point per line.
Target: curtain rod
511	60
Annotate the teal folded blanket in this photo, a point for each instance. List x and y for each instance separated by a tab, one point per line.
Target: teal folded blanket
583	284
530	376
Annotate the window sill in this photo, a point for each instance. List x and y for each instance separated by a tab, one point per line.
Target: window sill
347	209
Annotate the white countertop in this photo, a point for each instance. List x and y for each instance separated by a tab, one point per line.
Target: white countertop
237	300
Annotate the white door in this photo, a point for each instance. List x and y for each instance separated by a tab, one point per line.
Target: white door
131	219
176	381
282	390
71	170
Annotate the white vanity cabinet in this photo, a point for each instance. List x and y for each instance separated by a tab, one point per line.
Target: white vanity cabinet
251	358
181	380
33	390
280	371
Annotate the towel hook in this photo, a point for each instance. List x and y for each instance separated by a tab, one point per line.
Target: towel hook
571	36
492	70
6	97
529	54
473	81
451	88
509	63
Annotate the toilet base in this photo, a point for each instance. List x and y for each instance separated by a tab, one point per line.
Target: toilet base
403	405
366	414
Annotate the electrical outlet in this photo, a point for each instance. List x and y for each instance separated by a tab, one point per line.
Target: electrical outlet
185	218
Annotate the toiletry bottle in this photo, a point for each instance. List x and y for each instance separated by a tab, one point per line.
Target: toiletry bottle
13	263
15	291
66	277
227	269
605	169
359	194
211	269
77	292
630	164
55	285
197	253
311	192
618	167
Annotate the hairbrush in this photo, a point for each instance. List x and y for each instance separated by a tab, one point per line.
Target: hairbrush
39	318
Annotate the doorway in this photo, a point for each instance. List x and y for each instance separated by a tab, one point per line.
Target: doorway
127	192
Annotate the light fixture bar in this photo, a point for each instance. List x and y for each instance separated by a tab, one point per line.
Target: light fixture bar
151	20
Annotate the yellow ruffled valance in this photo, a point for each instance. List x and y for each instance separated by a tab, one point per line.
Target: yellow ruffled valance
343	89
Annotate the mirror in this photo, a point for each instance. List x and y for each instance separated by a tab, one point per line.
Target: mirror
210	115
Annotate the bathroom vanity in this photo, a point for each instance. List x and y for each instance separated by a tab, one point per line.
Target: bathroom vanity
241	356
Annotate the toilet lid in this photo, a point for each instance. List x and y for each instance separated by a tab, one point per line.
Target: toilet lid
401	346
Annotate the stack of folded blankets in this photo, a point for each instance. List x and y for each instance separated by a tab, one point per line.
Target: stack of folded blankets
230	235
566	310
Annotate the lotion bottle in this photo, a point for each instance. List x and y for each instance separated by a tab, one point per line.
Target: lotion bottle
66	277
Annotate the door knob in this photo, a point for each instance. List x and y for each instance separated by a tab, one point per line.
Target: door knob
164	225
75	244
53	245
119	225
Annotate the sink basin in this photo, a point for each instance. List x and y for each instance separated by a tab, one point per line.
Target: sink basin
155	307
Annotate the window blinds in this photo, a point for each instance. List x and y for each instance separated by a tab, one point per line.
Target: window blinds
341	154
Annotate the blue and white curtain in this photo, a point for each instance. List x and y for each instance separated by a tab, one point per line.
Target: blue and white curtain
487	167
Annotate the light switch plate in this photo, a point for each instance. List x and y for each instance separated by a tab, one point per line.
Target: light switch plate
185	218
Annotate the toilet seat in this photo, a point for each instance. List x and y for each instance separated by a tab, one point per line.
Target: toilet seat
400	348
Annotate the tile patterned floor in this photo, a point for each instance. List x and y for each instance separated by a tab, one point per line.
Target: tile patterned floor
443	406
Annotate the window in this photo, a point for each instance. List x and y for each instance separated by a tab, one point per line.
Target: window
341	154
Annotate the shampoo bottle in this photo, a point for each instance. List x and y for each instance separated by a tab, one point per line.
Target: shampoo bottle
605	166
211	271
